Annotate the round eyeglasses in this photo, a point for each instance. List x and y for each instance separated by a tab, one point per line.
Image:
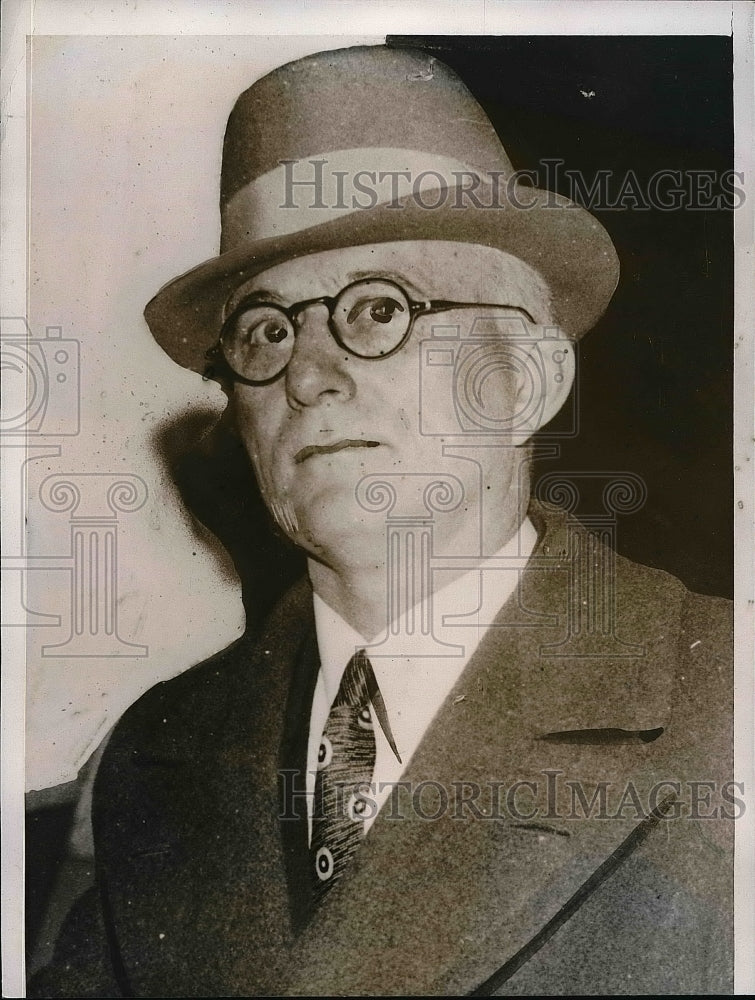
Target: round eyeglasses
371	319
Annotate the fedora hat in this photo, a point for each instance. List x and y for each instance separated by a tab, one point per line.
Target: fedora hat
369	145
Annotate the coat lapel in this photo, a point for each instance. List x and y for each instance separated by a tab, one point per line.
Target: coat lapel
293	765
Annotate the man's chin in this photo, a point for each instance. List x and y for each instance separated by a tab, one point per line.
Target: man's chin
332	526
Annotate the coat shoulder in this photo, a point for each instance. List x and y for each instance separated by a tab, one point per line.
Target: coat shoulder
699	648
203	694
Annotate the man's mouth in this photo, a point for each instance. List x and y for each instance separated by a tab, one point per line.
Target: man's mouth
329	449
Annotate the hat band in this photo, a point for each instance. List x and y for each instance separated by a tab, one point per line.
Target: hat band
299	194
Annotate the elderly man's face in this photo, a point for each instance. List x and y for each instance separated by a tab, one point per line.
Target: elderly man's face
332	418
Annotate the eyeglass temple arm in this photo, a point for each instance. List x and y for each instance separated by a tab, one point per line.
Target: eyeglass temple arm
441	305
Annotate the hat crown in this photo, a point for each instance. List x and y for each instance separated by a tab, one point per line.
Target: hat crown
364	97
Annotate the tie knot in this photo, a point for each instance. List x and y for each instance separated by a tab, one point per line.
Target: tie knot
357	683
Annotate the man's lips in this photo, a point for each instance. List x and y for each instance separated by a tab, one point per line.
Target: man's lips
329	449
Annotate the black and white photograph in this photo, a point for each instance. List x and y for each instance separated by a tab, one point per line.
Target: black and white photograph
377	445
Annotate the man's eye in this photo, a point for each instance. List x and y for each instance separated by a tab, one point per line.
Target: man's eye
267	331
385	309
380	310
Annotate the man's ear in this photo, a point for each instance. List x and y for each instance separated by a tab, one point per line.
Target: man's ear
545	386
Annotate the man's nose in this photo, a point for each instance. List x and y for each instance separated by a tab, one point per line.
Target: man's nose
318	370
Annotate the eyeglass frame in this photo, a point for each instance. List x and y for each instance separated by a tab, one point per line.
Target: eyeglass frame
427	307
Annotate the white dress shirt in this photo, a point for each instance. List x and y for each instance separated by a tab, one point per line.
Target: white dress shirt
415	687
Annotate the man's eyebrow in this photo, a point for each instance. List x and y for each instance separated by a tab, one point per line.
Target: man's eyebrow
408	285
394	276
243	298
260	295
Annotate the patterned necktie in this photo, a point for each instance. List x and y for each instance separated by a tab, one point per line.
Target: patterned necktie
345	762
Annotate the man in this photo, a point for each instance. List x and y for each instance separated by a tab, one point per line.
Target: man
472	751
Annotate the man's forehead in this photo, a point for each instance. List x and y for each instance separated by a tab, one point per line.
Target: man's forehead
429	269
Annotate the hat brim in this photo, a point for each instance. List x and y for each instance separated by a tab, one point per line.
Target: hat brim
563	242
